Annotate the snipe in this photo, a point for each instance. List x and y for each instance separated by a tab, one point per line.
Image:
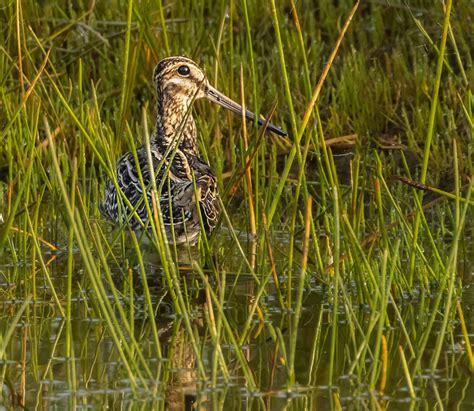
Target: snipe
185	180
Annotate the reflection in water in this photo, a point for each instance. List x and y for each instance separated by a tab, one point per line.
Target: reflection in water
38	372
181	393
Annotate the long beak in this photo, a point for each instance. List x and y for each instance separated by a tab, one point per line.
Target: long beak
217	97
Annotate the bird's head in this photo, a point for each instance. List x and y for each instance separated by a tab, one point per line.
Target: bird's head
181	79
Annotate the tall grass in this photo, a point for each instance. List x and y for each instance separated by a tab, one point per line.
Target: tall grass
328	283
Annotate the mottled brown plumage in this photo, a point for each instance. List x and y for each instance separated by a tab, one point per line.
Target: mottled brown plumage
185	182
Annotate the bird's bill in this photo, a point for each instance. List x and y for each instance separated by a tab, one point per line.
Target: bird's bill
217	97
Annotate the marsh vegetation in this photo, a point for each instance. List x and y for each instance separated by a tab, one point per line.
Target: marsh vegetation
340	274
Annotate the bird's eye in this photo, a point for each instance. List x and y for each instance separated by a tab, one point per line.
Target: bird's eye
184	70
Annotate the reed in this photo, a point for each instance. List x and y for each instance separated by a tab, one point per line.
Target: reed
338	275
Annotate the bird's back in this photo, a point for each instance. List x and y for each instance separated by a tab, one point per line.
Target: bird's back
183	183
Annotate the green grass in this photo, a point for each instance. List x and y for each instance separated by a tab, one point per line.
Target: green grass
328	282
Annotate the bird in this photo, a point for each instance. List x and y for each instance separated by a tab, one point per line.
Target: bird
186	185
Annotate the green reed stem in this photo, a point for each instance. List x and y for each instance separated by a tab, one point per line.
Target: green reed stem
430	127
335	288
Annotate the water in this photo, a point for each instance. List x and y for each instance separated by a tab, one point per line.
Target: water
38	372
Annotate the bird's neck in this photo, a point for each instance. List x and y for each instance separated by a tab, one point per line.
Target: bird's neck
175	127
